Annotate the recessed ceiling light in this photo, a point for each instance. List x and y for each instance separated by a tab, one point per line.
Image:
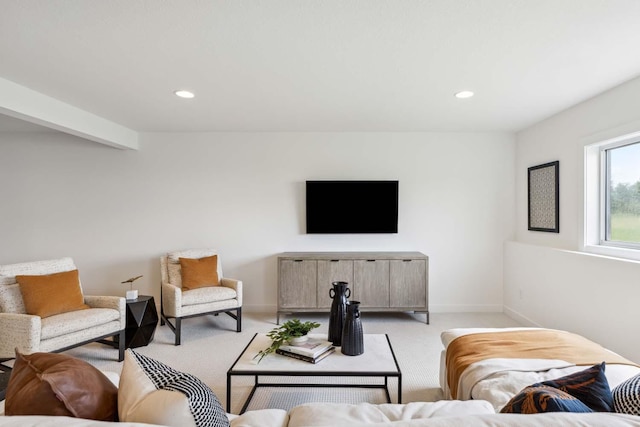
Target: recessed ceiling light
184	94
464	94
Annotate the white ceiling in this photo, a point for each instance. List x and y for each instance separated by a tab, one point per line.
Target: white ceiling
320	65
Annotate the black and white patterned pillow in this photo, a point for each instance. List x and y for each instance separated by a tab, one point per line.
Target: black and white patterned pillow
155	393
626	396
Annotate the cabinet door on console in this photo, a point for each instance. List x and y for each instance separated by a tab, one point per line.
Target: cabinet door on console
335	270
297	283
408	283
371	283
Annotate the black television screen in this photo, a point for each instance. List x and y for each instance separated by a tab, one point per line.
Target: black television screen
352	207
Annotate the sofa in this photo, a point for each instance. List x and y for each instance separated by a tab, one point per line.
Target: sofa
450	413
150	393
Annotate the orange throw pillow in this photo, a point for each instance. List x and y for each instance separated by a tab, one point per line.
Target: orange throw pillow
51	294
199	273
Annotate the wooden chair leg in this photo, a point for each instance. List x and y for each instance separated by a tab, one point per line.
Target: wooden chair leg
239	319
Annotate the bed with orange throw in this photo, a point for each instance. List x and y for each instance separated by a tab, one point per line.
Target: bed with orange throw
495	364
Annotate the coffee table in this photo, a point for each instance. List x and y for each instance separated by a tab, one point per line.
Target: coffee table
378	361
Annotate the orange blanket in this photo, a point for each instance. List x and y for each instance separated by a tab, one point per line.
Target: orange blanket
526	344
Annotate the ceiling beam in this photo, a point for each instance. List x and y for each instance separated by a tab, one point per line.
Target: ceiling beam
34	107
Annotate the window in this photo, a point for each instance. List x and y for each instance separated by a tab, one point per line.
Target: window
612	195
620	181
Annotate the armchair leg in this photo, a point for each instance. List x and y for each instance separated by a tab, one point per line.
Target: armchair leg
121	346
161	307
178	330
174	328
237	316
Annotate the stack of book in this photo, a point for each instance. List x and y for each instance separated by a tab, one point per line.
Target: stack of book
312	351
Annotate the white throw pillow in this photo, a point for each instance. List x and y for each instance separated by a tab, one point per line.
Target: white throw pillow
152	392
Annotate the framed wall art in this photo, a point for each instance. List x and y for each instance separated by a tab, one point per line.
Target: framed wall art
544	198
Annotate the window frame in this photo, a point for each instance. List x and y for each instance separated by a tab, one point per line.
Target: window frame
605	193
595	198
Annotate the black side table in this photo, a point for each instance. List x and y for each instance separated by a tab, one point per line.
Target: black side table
142	319
4	381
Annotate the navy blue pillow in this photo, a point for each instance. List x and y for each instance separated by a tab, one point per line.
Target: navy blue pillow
539	398
589	386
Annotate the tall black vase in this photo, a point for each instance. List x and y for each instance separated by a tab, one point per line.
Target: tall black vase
339	295
352	338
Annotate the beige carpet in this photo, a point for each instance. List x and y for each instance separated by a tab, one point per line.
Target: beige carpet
210	346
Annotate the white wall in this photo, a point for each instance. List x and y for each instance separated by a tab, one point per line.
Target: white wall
562	137
115	212
591	295
562	289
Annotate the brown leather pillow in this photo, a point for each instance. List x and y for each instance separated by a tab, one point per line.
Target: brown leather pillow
199	273
51	294
57	384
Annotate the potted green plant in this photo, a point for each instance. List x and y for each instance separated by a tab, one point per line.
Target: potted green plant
287	332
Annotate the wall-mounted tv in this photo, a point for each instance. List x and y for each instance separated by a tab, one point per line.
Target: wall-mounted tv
352	207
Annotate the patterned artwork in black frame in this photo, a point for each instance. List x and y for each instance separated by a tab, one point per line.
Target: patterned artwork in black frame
544	197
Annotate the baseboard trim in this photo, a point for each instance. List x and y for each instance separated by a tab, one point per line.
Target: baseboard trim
465	308
437	308
260	308
520	318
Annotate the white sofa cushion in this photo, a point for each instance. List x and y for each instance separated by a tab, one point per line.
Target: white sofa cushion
485	420
260	418
326	414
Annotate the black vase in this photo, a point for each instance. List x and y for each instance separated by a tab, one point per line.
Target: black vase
339	295
352	339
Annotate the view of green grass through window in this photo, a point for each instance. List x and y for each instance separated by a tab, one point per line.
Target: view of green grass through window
623	207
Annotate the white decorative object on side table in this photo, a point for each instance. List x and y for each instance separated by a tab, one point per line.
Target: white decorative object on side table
132	293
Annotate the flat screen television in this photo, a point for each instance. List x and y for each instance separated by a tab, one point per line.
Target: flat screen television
335	207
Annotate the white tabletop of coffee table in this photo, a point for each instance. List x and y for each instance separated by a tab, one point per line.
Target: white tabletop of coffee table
377	363
377	358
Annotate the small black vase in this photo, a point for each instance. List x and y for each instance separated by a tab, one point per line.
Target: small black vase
352	339
339	295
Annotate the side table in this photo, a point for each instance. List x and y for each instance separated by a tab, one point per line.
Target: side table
4	381
142	319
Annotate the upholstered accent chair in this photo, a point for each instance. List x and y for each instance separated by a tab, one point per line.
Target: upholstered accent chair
179	302
100	317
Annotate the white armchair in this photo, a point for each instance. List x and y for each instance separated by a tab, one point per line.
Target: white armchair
104	318
178	303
